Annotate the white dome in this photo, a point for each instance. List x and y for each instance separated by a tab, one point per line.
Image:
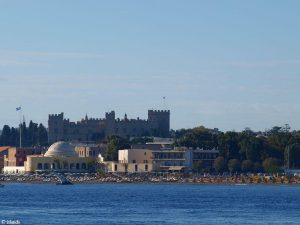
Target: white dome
59	149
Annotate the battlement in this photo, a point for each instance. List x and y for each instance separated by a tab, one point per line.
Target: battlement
138	120
58	116
159	111
96	119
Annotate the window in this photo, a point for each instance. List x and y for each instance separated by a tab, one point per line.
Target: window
66	165
83	166
77	166
134	161
46	166
40	166
136	168
146	167
72	166
116	167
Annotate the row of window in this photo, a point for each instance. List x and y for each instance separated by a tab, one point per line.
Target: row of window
88	153
65	166
172	163
168	155
135	168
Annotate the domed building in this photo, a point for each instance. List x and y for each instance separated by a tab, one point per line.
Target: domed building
60	156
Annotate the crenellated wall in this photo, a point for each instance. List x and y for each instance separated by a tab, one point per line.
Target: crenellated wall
92	129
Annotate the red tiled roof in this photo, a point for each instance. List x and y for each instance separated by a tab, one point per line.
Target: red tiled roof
3	148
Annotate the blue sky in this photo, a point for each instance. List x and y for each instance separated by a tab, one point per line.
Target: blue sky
225	64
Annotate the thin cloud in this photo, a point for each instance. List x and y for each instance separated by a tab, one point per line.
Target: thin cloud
71	55
18	63
257	64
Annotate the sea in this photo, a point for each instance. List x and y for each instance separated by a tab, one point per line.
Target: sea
149	204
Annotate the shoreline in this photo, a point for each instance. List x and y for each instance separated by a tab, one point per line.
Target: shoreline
148	179
158	183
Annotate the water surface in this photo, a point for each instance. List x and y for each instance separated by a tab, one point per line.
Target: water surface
150	204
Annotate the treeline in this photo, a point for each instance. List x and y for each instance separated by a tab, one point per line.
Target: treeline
246	151
32	135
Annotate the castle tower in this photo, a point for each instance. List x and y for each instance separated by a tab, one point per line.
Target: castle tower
162	119
110	121
55	127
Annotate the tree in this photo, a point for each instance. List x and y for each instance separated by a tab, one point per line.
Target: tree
24	134
292	155
220	164
14	137
271	165
229	145
250	147
197	137
257	167
198	166
114	144
5	136
32	134
234	165
247	166
42	135
141	140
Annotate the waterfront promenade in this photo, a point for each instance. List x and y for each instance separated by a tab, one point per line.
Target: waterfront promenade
89	178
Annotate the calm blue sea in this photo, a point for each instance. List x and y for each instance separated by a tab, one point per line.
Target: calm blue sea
149	204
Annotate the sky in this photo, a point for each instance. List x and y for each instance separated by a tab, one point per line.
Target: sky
219	64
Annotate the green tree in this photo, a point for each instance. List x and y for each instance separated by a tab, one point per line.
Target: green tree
234	165
229	145
251	147
271	165
220	164
114	144
269	150
247	166
32	134
197	137
292	156
25	140
42	135
14	137
141	140
5	136
257	167
198	166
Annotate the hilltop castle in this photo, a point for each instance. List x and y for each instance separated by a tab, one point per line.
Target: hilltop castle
90	129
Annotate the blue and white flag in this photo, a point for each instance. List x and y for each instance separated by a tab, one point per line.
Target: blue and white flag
18	108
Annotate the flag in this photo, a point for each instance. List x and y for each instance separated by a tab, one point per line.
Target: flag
18	108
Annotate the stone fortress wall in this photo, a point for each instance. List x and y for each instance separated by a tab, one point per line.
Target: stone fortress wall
91	129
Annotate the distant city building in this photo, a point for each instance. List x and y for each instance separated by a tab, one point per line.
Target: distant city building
131	161
60	157
3	154
178	159
90	150
16	157
91	130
